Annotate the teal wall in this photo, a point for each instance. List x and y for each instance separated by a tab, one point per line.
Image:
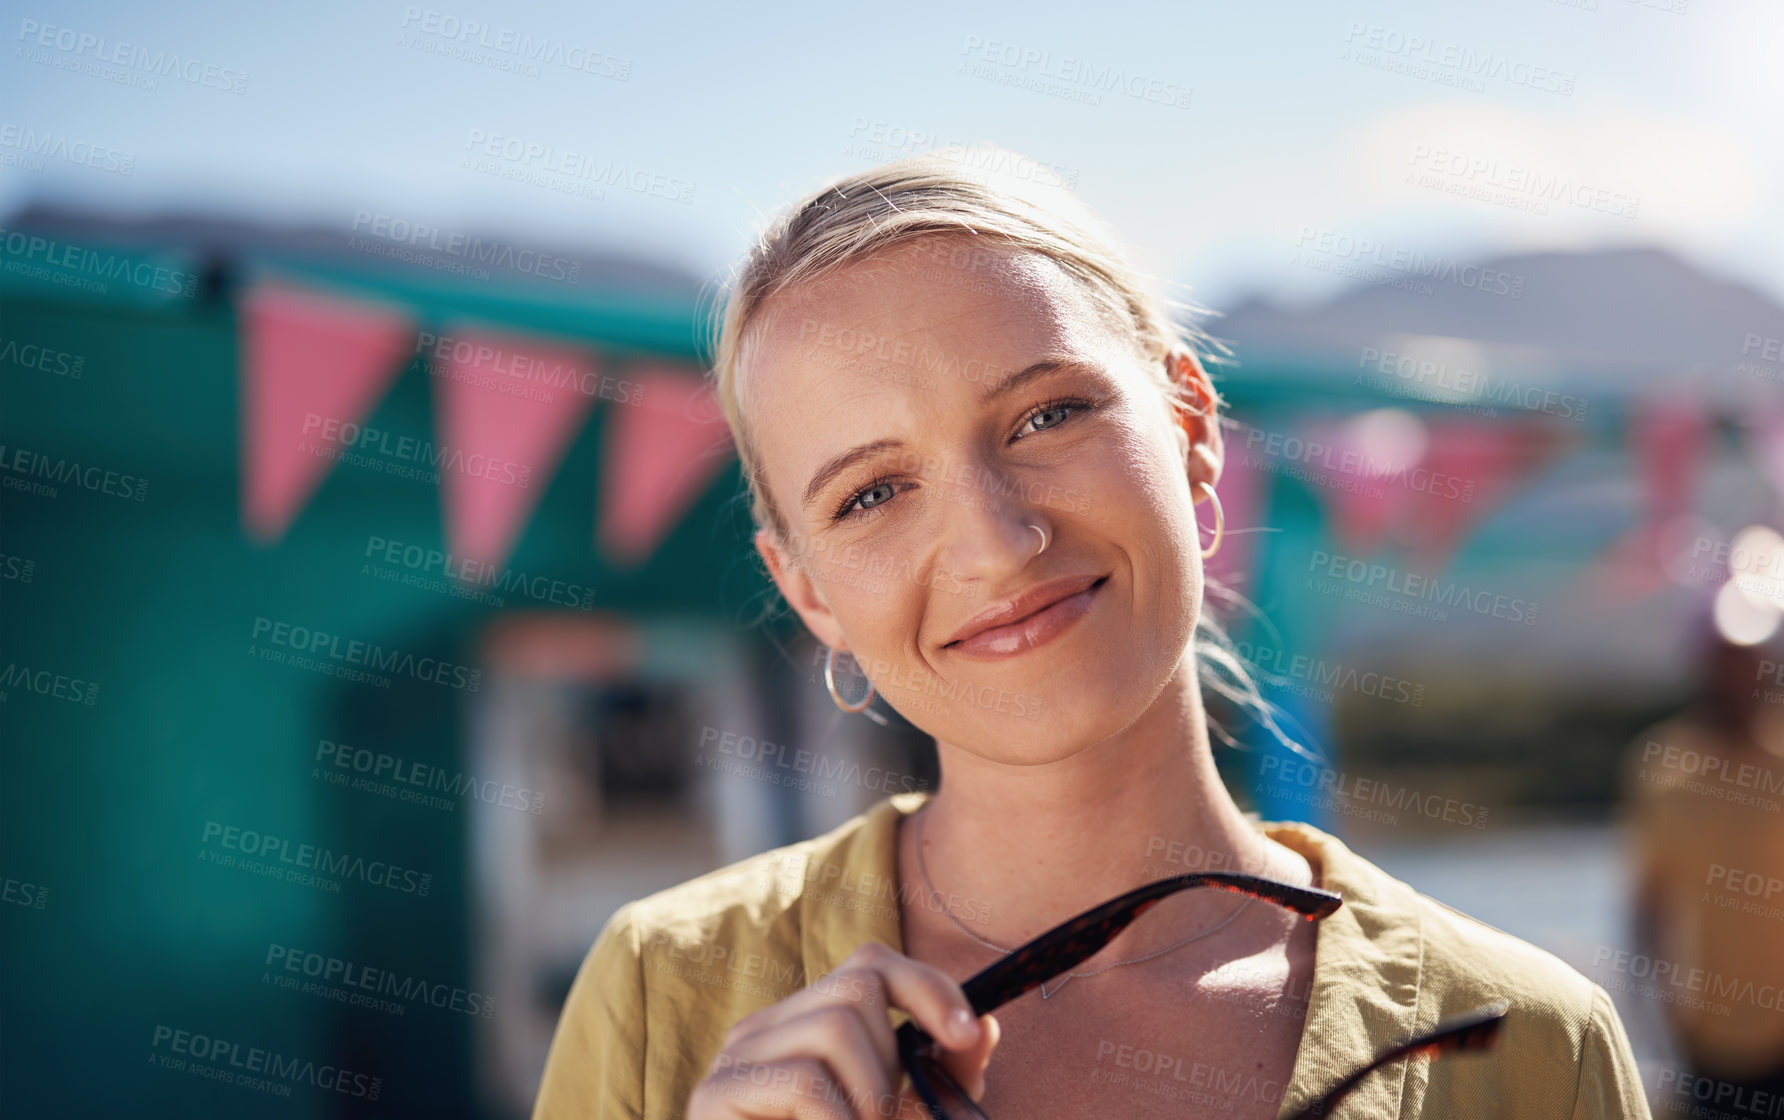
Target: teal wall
105	805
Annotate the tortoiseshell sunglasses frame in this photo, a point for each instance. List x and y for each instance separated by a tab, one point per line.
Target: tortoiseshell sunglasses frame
1072	942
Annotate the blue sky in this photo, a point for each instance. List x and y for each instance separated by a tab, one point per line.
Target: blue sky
1241	132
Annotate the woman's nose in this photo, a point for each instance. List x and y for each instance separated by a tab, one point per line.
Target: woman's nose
991	531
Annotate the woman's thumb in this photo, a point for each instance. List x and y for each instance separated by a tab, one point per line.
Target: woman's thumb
968	1066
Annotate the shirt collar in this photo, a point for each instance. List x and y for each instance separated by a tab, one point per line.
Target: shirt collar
851	889
1367	963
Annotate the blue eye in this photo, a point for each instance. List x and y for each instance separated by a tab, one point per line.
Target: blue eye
1044	417
1063	407
863	499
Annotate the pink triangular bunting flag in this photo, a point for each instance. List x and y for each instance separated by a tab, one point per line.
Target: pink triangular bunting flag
1471	464
313	368
507	407
1664	437
658	456
1361	487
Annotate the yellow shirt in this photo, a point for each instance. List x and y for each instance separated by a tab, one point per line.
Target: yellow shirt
669	974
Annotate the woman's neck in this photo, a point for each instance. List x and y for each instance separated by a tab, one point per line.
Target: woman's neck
1029	846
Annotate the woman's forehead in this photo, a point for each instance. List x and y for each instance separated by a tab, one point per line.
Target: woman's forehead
912	312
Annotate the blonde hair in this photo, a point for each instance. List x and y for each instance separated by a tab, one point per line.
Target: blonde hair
936	195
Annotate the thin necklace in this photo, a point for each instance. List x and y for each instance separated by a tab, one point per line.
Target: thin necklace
923	869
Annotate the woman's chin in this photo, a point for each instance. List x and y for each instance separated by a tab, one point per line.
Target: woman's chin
1050	730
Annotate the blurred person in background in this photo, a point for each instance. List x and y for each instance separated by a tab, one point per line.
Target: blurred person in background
1705	790
947	393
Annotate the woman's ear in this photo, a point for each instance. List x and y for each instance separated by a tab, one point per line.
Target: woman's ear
1205	451
800	592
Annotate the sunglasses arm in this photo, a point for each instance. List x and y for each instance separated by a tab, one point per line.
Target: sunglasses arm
1473	1030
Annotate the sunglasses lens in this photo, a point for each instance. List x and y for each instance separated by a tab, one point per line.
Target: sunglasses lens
938	1088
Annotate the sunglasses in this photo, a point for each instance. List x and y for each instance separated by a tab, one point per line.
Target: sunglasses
1069	944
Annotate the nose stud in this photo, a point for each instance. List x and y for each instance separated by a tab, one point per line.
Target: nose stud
1043	534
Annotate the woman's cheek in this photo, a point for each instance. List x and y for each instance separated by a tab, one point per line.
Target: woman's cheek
849	588
1142	489
1151	515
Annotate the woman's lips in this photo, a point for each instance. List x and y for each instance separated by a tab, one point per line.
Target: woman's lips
1027	633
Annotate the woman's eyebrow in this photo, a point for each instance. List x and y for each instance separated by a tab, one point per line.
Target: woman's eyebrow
836	464
1052	364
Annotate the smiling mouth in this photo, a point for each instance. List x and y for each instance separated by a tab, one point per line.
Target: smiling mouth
1036	628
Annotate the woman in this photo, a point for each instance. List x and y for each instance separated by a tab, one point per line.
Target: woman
967	387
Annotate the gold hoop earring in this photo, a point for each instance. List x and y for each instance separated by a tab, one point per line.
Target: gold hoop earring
830	683
1219	520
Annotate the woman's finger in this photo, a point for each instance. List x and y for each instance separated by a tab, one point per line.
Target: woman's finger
794	1089
877	976
841	1023
840	1036
968	1066
931	996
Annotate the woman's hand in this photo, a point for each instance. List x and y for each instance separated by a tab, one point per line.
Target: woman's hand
827	1052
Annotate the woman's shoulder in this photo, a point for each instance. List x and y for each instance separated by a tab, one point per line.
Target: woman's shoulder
1450	952
1414	961
1472	959
1566	1032
686	962
761	904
